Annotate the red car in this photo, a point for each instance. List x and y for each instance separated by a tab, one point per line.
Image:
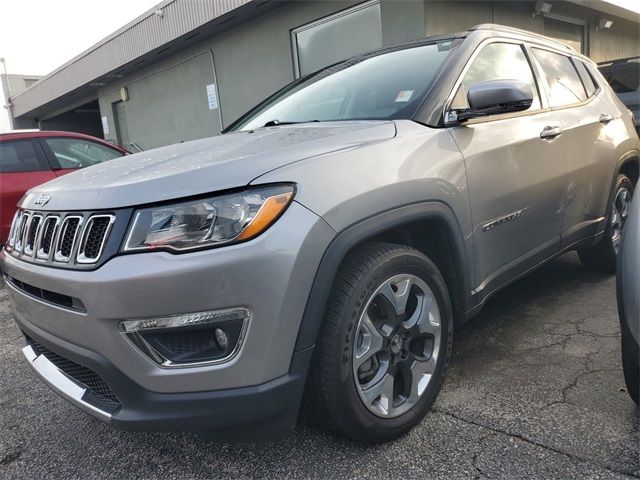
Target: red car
30	158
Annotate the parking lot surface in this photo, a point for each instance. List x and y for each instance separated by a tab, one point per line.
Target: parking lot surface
535	390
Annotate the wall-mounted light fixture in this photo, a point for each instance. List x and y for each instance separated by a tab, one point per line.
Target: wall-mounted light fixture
159	13
541	8
604	24
124	94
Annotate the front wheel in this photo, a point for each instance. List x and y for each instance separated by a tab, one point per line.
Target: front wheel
384	345
603	255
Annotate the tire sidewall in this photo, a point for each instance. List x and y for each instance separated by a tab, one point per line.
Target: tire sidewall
355	411
622	182
630	362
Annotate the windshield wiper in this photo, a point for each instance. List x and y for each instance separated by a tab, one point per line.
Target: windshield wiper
275	123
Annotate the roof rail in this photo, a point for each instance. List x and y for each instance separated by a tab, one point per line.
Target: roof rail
502	28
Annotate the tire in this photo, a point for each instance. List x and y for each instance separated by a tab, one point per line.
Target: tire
630	362
602	257
336	388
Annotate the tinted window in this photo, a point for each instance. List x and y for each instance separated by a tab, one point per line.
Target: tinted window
625	80
384	86
564	83
497	61
19	156
74	153
586	78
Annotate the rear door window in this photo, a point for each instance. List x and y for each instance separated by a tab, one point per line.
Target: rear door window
565	86
76	153
20	156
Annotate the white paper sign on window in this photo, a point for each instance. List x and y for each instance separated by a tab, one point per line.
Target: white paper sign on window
105	126
212	96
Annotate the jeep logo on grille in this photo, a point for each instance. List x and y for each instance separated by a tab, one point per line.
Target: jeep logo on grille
42	200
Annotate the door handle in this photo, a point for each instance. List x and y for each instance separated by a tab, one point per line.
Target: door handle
605	118
550	132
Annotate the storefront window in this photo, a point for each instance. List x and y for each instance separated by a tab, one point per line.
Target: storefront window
337	37
568	33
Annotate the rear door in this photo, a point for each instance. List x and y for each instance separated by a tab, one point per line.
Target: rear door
587	127
23	165
67	154
516	171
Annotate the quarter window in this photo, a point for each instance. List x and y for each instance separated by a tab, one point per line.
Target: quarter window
19	156
497	61
74	153
565	86
585	76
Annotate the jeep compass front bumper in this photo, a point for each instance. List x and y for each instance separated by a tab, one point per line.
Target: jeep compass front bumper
83	354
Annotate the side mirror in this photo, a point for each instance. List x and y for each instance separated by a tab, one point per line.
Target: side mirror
496	96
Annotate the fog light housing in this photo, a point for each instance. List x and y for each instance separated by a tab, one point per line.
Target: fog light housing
192	339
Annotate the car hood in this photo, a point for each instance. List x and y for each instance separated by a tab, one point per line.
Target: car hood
200	166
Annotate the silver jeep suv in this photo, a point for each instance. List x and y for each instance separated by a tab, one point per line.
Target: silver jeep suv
326	243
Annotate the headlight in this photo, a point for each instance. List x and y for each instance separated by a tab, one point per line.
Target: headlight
208	222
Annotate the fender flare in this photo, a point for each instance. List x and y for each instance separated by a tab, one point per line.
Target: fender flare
623	160
626	158
368	228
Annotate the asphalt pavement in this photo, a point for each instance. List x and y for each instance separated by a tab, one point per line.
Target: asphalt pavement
535	390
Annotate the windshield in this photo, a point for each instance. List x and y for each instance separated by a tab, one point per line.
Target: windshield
386	86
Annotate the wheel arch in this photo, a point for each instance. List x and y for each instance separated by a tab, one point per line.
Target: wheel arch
444	241
629	165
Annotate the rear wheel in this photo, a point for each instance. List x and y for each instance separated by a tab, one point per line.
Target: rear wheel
384	344
603	255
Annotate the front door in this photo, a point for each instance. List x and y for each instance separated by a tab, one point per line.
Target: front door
516	173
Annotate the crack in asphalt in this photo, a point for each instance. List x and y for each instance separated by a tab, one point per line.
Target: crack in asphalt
9	457
531	442
480	473
574	384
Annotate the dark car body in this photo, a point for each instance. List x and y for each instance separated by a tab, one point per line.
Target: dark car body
624	77
628	281
31	158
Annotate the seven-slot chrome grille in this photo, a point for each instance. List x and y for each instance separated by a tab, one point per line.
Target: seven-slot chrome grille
59	238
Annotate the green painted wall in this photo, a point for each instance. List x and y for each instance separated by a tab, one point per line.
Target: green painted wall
622	40
168	100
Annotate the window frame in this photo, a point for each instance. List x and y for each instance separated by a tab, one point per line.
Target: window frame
51	156
543	78
41	156
342	13
575	61
542	92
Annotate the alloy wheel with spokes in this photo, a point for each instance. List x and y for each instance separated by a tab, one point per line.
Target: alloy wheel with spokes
384	344
619	215
397	344
603	255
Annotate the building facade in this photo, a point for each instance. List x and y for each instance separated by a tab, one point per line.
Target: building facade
188	68
14	84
